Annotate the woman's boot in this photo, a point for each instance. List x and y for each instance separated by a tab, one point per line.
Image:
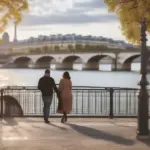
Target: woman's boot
65	116
63	119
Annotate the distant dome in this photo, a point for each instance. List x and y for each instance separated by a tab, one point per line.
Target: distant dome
5	38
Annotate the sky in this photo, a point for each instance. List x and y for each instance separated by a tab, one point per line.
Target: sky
86	17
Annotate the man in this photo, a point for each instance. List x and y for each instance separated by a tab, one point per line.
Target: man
46	85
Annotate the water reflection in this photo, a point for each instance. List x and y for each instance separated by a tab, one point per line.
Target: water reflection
105	67
102	67
3	79
135	67
105	78
77	66
8	77
52	66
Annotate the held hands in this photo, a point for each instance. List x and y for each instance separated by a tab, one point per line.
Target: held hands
58	95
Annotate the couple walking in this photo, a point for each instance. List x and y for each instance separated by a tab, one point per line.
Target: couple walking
46	85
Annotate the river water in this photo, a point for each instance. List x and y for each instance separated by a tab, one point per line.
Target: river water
84	102
30	77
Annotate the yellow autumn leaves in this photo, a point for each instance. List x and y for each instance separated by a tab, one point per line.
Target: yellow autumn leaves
11	10
130	14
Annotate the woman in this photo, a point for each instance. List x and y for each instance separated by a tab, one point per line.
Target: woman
65	104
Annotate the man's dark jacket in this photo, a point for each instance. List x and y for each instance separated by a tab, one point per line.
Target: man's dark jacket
46	85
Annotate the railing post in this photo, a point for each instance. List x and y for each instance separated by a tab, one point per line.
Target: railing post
2	98
111	113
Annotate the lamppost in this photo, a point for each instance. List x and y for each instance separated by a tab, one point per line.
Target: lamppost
15	32
143	127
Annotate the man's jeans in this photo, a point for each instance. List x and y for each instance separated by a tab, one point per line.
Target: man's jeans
47	100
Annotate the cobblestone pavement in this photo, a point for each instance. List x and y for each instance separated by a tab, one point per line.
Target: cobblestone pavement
77	134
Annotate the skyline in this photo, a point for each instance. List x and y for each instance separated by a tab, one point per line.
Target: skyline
86	17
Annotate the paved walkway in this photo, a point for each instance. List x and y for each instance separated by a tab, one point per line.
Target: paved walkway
77	134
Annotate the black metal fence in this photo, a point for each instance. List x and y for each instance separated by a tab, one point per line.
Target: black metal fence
87	101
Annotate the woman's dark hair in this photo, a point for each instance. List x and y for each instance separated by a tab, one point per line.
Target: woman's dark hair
66	75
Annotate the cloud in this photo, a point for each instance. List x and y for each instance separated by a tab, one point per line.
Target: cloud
33	28
44	7
68	19
91	4
74	13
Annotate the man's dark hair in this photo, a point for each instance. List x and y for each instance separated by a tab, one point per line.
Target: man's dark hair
47	71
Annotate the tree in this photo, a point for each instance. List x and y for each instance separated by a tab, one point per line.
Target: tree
135	21
32	50
131	14
10	49
78	47
11	10
88	47
131	48
56	48
100	47
70	48
45	49
38	50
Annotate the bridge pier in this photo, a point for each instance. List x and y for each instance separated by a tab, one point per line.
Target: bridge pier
63	66
116	67
22	65
41	66
95	66
126	67
12	65
90	66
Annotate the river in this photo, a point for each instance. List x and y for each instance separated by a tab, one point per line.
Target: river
30	77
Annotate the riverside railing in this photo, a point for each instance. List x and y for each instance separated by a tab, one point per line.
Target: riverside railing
87	102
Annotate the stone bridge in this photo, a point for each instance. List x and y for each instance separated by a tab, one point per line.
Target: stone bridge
120	57
89	61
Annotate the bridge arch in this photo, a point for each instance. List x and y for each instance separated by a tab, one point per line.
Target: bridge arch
126	66
68	62
94	62
44	62
22	62
12	108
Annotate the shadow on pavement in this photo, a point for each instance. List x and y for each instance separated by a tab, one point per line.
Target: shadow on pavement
147	141
51	124
97	134
59	127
